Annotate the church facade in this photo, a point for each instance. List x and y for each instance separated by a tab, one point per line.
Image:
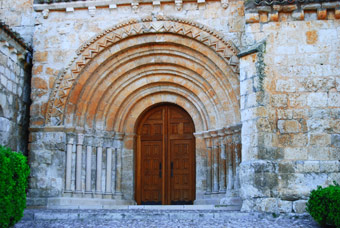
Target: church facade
231	103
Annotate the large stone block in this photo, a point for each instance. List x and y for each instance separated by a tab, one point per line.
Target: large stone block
287	86
335	140
330	166
257	179
299	206
288	126
317	100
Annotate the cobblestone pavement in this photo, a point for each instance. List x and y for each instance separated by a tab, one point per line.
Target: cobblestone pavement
150	219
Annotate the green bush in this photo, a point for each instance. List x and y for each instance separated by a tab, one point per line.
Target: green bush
324	205
14	172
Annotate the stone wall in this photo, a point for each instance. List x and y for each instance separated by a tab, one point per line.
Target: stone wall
289	87
62	34
19	15
62	29
290	105
14	90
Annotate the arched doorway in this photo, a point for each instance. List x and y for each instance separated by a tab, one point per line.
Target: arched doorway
165	156
97	101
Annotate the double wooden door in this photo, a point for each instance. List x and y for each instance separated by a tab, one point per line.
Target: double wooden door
165	165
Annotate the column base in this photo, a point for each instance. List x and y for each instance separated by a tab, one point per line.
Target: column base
118	195
88	194
98	195
232	197
107	195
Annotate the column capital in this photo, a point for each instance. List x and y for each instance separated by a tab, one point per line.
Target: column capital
70	140
221	132
119	136
207	138
98	141
80	139
199	134
213	133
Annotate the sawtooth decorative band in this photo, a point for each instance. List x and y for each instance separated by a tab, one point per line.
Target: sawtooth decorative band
142	62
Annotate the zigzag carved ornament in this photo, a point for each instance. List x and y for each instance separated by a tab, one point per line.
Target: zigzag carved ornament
97	44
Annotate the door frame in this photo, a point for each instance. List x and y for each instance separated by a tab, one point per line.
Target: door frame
166	156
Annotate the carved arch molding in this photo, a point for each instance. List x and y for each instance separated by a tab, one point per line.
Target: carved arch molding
93	50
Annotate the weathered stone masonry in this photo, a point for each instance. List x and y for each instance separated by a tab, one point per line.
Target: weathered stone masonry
290	92
260	79
15	75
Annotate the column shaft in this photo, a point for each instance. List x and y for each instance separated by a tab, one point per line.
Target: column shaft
78	164
108	170
222	168
215	168
99	170
68	165
118	190
230	184
209	176
88	169
237	161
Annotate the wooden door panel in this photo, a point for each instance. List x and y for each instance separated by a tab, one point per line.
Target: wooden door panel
151	178
181	183
166	160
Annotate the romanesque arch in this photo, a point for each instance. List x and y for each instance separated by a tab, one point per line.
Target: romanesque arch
201	53
126	69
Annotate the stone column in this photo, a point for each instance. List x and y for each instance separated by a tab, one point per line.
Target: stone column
215	161
69	165
222	159
88	189
230	181
78	163
201	171
237	152
232	194
208	162
108	184
119	151
236	161
99	166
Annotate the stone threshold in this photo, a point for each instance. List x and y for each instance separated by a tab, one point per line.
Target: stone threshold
132	212
121	204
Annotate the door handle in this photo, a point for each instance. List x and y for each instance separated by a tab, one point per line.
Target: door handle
160	169
172	169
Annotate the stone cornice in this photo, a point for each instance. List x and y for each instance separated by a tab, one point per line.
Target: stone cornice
262	11
285	2
69	6
8	35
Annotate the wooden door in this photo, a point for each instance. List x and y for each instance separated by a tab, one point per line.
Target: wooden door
165	165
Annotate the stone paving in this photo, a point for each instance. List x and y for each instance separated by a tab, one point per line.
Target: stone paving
160	218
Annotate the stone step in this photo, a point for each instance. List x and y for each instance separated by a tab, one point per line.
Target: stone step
133	212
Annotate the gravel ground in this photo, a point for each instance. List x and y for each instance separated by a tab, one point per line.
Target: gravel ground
164	218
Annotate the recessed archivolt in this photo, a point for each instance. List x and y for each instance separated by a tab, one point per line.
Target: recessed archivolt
128	78
163	89
195	62
113	101
139	106
130	72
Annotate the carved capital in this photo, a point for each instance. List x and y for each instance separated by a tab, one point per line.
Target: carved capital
45	13
135	6
178	5
225	4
